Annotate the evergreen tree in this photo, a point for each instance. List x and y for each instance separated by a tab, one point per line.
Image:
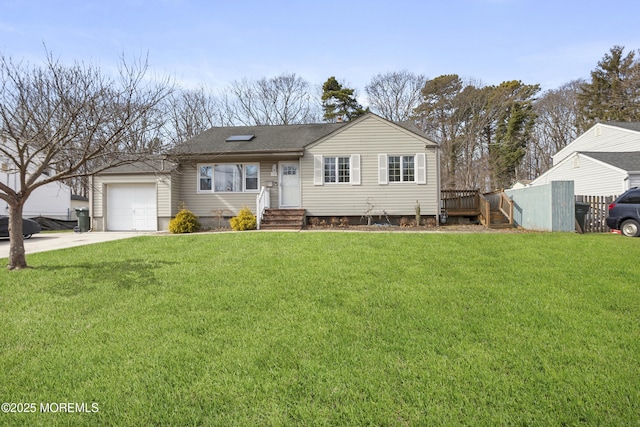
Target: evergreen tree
614	91
339	102
512	103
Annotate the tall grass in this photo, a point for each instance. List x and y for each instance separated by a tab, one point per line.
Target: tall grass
328	329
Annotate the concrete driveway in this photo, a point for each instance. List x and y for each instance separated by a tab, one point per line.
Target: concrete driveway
51	241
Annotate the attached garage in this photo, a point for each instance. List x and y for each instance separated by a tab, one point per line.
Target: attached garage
131	207
134	197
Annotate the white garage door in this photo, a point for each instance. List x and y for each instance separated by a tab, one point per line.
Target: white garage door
131	207
634	181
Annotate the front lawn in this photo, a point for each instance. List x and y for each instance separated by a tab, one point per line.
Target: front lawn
326	329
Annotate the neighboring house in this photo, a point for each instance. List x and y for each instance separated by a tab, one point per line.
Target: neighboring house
52	200
369	165
604	161
521	183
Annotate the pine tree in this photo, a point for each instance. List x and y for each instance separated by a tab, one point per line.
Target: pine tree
614	91
339	102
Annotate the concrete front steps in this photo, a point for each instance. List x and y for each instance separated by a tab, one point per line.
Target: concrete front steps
283	219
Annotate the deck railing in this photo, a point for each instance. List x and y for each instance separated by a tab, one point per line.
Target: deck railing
506	206
485	210
263	202
459	200
471	202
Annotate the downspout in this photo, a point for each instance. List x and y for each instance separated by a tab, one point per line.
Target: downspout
439	194
91	219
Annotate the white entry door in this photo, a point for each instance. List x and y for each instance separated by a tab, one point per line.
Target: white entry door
289	185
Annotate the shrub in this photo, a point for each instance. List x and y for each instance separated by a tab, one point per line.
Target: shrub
184	222
245	220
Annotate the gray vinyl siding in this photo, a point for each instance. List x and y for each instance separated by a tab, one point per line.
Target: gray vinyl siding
204	204
590	177
175	193
369	138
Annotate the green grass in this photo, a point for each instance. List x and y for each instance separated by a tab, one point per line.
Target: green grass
328	329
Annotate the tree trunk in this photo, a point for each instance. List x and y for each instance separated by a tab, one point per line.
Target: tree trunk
17	259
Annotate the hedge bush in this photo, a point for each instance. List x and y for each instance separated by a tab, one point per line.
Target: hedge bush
245	220
184	222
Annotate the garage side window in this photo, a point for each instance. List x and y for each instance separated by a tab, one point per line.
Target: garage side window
229	178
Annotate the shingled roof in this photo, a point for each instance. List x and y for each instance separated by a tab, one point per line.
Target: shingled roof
635	126
266	139
628	161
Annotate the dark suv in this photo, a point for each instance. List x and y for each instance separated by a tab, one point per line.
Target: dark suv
624	213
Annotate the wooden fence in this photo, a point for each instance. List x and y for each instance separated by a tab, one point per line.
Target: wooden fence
596	219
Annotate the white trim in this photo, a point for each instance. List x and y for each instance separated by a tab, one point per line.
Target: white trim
213	181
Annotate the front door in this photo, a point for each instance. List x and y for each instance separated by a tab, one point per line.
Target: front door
289	185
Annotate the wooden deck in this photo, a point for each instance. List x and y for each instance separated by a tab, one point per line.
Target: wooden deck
460	202
493	210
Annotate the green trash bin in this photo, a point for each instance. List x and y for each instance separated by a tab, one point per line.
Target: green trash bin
83	220
582	209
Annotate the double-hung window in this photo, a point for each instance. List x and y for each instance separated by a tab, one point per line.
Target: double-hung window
401	168
406	168
337	169
228	177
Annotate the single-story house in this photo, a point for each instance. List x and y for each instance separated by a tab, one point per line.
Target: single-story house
603	161
368	166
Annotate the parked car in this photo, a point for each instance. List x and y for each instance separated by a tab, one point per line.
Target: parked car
624	213
29	227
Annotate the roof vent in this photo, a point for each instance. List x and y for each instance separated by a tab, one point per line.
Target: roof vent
234	138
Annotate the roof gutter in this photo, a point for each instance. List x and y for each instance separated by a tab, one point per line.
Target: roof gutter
241	154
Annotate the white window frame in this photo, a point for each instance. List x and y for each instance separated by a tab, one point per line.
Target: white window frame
336	162
213	174
403	172
419	169
319	177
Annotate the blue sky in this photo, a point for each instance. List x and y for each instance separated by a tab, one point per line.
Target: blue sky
212	43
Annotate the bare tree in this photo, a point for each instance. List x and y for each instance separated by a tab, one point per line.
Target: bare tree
395	95
190	112
282	100
556	126
60	122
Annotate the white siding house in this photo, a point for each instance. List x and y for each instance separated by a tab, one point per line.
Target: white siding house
52	200
604	161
